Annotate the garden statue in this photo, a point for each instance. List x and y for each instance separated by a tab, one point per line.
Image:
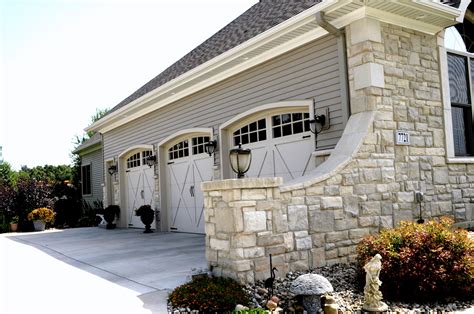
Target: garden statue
372	295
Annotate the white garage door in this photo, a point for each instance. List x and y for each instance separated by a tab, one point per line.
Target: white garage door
281	145
140	186
188	166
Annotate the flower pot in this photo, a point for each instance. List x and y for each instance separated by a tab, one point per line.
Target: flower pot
147	218
39	225
13	227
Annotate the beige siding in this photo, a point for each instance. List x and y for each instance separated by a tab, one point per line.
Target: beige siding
97	169
311	71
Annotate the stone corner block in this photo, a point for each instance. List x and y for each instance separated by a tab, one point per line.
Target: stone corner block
364	30
369	75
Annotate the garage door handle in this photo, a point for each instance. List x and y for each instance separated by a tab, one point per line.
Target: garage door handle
142	193
307	136
191	190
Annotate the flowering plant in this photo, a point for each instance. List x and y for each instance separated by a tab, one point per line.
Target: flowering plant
44	214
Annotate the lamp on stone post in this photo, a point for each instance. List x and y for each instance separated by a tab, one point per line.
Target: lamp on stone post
240	160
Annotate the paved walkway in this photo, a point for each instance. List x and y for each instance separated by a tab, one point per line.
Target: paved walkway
93	270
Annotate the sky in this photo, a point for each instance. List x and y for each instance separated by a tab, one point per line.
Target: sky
60	60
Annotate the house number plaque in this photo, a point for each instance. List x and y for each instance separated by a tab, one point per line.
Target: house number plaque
402	138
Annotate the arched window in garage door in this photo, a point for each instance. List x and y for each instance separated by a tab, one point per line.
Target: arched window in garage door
281	143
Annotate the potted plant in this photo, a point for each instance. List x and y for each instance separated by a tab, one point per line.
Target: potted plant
110	213
41	216
14	223
147	215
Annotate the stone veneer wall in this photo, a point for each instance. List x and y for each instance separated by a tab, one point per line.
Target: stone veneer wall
395	73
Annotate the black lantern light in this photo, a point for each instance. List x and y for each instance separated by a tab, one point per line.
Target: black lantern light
150	160
112	169
318	120
240	160
210	147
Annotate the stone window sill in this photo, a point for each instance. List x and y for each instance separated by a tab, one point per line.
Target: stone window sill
460	160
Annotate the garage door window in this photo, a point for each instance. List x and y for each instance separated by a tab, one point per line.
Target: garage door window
179	150
133	161
145	154
289	124
251	133
198	144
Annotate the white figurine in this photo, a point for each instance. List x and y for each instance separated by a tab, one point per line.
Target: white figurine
372	295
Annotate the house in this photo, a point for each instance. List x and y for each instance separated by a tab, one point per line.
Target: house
356	114
92	168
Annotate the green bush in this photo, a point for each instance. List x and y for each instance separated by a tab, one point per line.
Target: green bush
425	262
209	294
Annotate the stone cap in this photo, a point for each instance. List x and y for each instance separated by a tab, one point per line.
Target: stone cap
247	183
311	284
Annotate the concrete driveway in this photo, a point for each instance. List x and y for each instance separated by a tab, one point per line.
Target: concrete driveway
93	270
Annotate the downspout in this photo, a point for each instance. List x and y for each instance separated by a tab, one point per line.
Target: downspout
331	29
321	21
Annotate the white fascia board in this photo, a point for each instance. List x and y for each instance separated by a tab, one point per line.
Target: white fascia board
402	21
124	114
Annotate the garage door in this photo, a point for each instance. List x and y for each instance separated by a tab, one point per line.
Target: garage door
187	166
140	186
281	145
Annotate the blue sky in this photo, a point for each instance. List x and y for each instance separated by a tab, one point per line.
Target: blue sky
62	59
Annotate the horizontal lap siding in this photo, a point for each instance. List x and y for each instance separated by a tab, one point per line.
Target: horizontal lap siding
311	71
97	174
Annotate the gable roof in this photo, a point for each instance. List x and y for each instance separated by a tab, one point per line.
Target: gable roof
96	139
256	20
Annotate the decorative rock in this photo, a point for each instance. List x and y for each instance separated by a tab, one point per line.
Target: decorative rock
330	305
275	299
311	287
240	307
271	305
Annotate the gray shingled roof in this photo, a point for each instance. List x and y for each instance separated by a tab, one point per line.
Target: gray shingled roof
256	20
95	139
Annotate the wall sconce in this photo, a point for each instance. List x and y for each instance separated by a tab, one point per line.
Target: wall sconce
318	120
240	160
151	160
112	169
210	147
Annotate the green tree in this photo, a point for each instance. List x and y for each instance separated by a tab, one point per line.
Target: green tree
7	175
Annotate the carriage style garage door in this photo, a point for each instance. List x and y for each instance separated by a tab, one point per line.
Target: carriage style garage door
140	186
281	145
187	166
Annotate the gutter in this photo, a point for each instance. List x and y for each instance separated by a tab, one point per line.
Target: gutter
321	21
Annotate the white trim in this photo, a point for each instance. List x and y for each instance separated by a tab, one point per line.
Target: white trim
182	133
135	147
267	107
463	8
324	152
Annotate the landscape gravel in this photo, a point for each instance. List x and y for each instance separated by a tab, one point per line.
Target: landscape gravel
348	295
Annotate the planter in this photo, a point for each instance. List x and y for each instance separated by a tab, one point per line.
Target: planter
147	218
39	225
13	227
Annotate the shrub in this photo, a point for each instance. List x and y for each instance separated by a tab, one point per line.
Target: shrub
424	261
209	294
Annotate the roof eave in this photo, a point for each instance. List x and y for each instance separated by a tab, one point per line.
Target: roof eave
245	55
